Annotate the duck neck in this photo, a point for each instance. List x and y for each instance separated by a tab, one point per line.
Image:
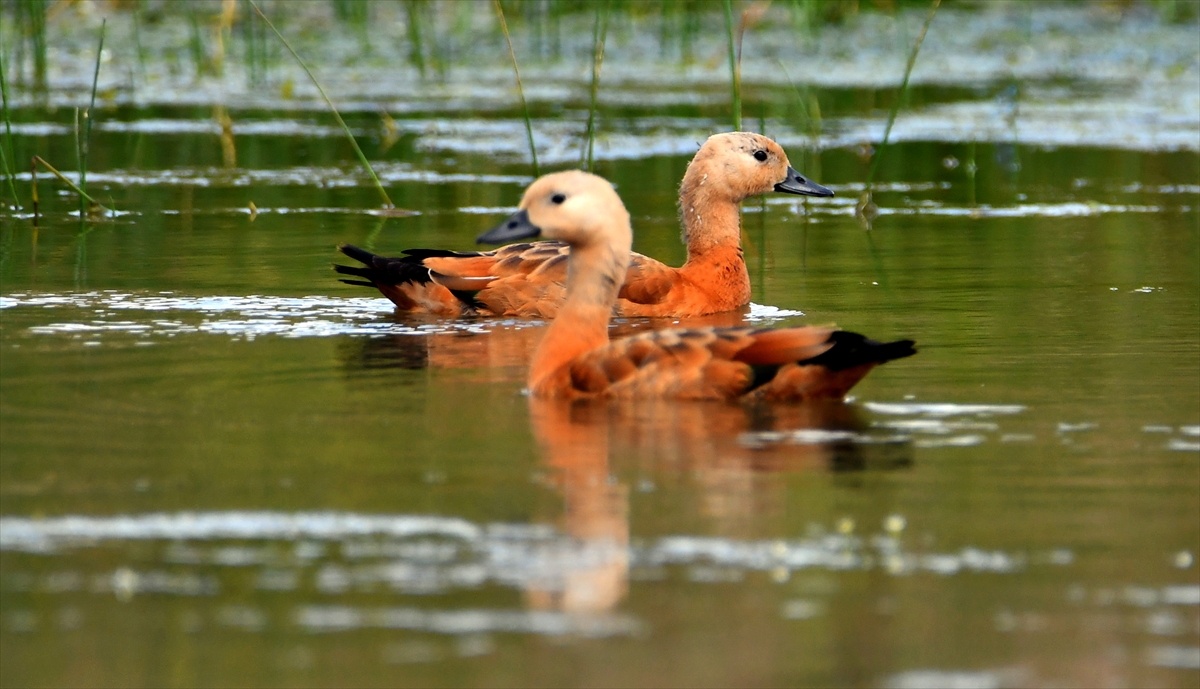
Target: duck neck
712	230
711	220
594	276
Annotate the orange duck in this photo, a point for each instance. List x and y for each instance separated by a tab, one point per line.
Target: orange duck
575	358
528	279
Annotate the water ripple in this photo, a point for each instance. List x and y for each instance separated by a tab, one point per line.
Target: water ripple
941	409
419	553
336	618
111	311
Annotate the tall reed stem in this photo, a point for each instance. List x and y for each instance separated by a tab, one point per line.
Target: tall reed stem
62	178
195	42
599	34
520	89
79	162
37	29
137	39
7	152
912	60
87	118
416	54
33	189
358	151
736	81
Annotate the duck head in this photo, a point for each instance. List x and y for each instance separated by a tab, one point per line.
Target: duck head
736	165
576	207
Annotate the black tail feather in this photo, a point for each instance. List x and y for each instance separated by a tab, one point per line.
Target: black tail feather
381	270
353	270
361	255
360	283
851	349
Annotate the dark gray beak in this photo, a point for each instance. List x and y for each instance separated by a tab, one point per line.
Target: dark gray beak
796	183
517	226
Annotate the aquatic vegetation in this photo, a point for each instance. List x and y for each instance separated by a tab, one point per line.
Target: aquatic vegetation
7	155
83	195
735	77
520	88
416	55
866	207
599	34
139	49
84	142
30	24
257	51
357	15
349	135
200	61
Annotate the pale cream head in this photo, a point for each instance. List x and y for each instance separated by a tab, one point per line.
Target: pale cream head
735	165
578	208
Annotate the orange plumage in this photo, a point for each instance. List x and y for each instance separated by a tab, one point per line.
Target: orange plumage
528	279
575	359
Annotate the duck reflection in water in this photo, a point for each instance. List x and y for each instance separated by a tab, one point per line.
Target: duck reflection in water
574	443
725	448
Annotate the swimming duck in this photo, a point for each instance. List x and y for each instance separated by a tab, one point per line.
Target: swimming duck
576	359
528	279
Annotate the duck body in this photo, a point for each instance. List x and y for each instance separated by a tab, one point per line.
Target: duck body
792	364
529	279
575	359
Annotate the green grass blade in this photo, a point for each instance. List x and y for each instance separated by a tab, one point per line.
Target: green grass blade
196	42
62	178
8	176
37	28
520	89
248	54
736	81
7	151
416	51
912	60
79	165
812	127
599	34
137	39
33	195
357	150
87	117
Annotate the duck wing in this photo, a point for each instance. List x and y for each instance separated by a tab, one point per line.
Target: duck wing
545	264
648	281
847	359
728	363
694	363
513	259
526	278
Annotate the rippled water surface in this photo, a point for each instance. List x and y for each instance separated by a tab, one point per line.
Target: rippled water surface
221	466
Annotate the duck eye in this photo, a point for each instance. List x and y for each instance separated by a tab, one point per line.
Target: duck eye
558	198
760	156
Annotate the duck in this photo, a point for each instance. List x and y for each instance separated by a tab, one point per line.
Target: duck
575	359
528	279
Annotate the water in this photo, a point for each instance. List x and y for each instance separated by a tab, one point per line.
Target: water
220	465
